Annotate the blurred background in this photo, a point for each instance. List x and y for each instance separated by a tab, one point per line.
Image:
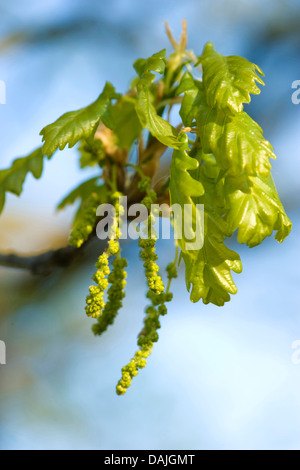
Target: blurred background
219	378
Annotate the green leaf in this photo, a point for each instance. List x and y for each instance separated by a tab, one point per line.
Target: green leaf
160	129
81	192
208	271
255	210
76	125
182	188
228	81
191	101
155	63
12	179
122	119
236	141
90	191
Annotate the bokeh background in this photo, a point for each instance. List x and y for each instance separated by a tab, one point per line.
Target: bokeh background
219	378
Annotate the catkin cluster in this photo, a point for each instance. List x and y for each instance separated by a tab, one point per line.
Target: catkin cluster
117	280
156	295
147	243
105	312
148	335
86	222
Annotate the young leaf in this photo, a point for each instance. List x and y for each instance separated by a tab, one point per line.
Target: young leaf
122	119
208	270
255	210
82	192
228	81
155	63
182	188
236	141
160	129
210	273
192	98
12	179
76	125
90	194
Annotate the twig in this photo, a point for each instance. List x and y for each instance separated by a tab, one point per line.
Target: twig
41	264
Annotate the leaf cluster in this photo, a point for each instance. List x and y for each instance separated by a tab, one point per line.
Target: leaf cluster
220	160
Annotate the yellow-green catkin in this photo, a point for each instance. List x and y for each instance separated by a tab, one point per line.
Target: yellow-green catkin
156	294
115	294
86	222
105	312
92	152
95	300
147	245
146	340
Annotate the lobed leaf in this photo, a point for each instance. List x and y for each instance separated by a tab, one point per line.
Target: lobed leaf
208	271
155	63
81	192
12	179
209	275
255	210
158	127
182	188
191	101
228	81
76	125
122	119
236	141
89	191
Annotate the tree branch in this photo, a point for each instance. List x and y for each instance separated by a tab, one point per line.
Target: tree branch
45	263
42	264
